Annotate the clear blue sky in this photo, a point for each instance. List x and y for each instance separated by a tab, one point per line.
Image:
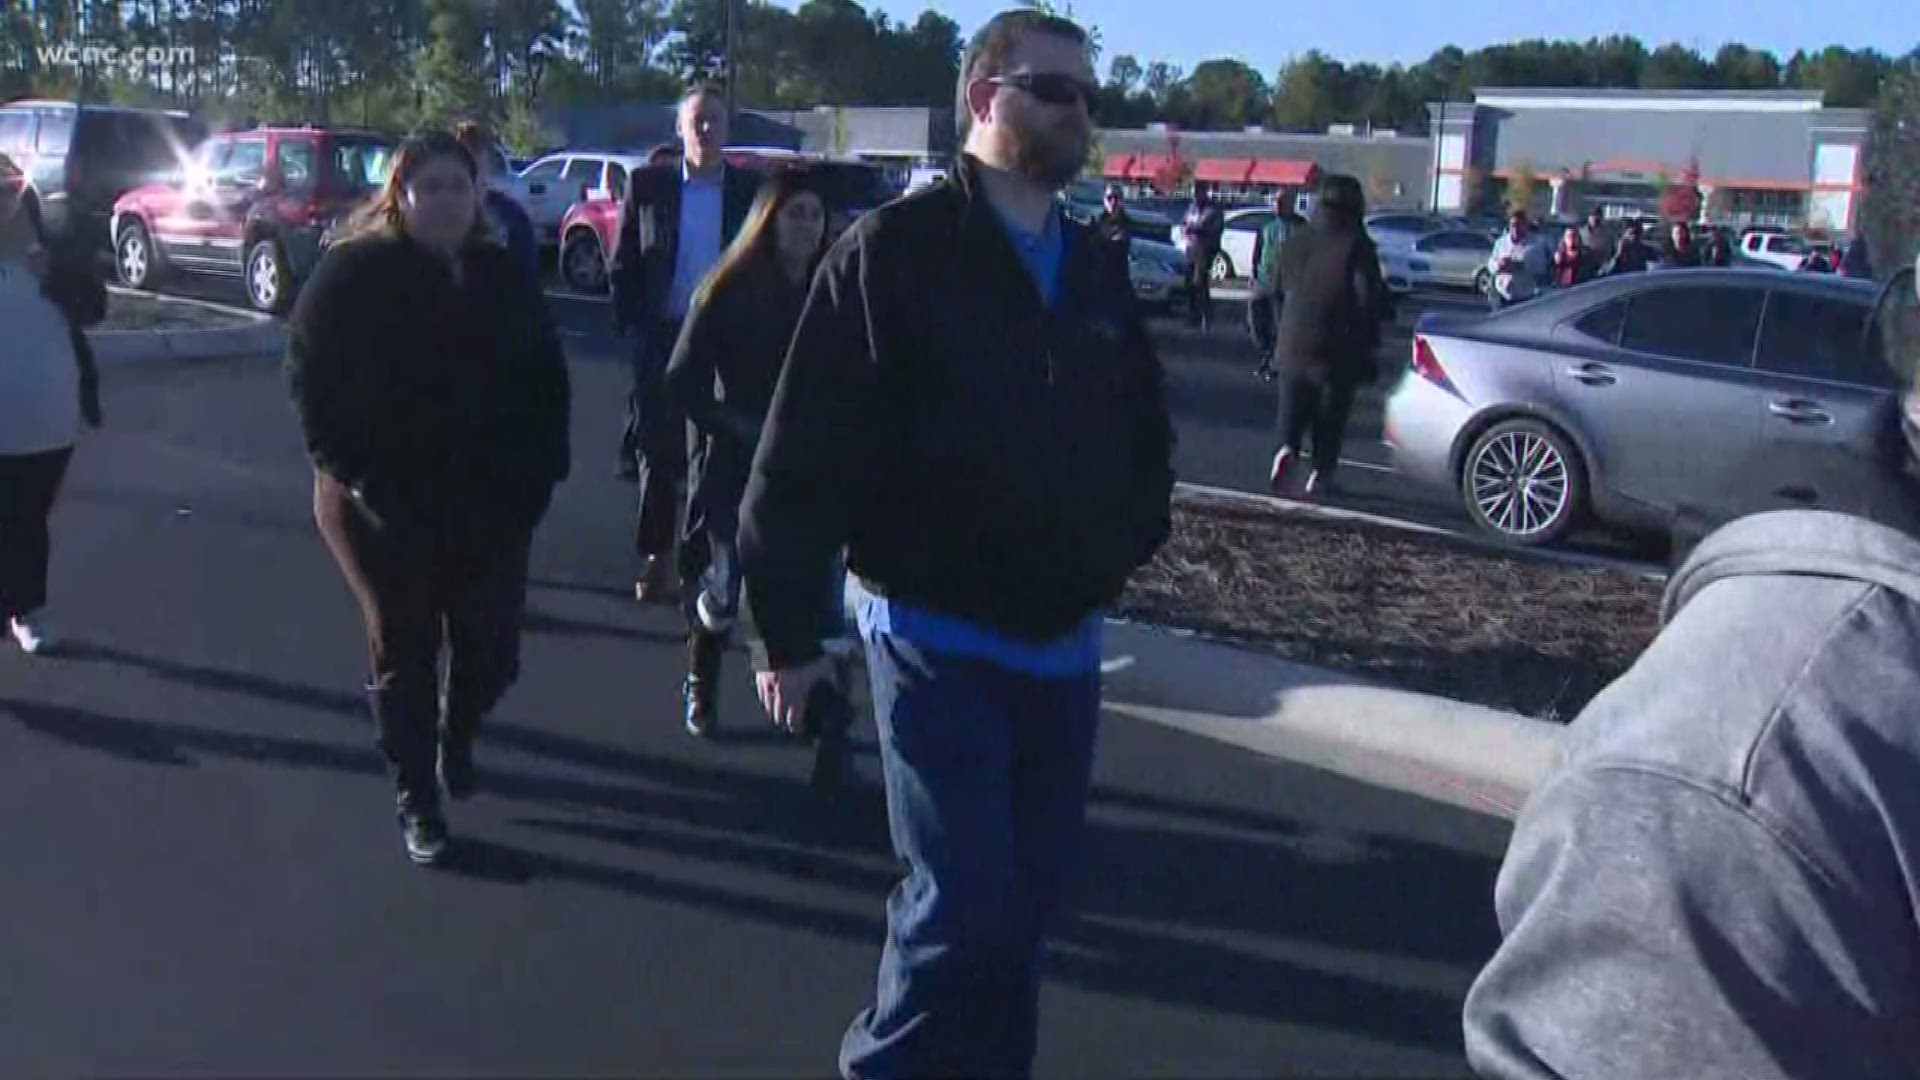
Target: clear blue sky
1265	32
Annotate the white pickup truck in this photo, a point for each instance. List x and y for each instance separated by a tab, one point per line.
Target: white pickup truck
1775	249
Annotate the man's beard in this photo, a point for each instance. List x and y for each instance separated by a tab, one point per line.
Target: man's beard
1052	159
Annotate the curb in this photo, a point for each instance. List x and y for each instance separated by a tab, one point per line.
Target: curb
262	334
1323	512
1464	755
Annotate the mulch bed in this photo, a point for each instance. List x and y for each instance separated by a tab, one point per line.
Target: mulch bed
126	312
1398	608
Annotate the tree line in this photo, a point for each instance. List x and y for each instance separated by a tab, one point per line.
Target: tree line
406	61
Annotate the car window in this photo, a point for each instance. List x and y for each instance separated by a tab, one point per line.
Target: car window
361	164
545	173
617	180
1250	222
584	171
17	128
210	157
56	131
1787	245
295	159
245	164
1711	325
1819	338
1604	322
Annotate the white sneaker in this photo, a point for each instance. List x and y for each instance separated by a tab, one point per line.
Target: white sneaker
32	637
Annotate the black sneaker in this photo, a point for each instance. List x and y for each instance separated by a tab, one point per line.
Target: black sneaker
425	833
456	768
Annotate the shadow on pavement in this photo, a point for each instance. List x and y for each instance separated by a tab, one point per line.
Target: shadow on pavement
1191	905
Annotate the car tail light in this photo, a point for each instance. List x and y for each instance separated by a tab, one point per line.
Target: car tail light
1427	365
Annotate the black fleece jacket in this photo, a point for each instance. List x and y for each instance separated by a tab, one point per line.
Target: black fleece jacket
445	405
974	451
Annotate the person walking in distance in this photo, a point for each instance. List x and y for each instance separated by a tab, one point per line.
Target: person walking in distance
675	222
1681	252
1570	261
47	386
1630	255
1111	225
1596	243
514	225
1519	265
973	411
433	395
1263	307
1329	331
1204	227
723	373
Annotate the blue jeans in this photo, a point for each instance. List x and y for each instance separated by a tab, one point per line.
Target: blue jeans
986	778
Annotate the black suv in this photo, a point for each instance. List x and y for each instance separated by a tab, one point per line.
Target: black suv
80	158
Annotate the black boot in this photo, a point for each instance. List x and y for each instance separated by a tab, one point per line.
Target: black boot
408	727
700	694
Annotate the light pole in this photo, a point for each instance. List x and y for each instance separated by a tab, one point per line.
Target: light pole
1439	155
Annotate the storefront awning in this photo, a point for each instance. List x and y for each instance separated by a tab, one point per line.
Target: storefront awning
1118	166
1285	173
1223	170
1148	166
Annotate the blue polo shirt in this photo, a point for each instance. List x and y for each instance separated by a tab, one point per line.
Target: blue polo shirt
1076	653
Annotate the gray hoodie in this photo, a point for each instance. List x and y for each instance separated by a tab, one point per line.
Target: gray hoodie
1720	878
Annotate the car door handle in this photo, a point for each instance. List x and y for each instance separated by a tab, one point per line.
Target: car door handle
1593	374
1796	411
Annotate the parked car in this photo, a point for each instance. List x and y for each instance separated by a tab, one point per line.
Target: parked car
1449	258
553	184
1237	243
1635	399
80	158
1775	249
1396	231
253	204
591	227
1159	272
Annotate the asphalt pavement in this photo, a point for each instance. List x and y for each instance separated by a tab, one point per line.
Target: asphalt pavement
204	876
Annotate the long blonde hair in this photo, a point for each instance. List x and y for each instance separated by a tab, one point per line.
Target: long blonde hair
386	214
758	238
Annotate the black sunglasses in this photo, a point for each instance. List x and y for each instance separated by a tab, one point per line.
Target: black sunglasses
1052	87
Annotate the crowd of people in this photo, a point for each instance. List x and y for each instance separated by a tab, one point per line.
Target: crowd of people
953	420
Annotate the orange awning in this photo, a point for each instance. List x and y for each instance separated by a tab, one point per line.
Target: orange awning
1223	170
1117	166
1284	173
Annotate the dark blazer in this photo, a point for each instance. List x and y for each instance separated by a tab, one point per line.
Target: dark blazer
641	272
444	405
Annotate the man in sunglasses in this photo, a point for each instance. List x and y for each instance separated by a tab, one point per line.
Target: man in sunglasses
973	411
677	218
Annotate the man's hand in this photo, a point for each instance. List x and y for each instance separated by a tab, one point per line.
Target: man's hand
784	694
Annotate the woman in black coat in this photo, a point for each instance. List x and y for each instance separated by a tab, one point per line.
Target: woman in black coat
723	372
1329	330
433	393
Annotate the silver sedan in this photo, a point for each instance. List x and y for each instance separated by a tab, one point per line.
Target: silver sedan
1648	398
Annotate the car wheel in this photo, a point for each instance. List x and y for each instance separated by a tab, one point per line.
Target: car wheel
1483	283
135	260
582	263
1523	482
1222	268
269	279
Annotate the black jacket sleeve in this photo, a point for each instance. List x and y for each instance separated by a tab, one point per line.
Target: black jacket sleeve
800	498
627	270
1153	442
690	372
321	346
551	391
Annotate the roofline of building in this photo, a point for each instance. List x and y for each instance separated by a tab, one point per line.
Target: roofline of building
1255	136
1618	94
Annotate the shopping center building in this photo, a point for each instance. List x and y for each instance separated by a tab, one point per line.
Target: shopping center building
1760	157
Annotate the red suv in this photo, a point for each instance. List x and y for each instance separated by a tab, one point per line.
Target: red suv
252	205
